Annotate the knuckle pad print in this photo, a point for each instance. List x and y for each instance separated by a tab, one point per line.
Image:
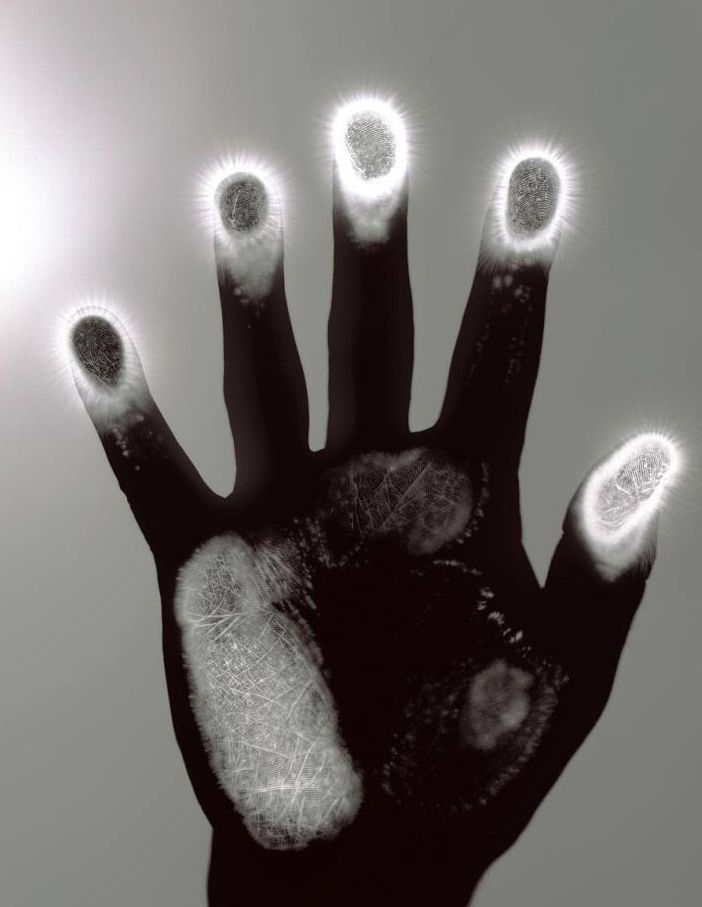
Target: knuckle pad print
415	496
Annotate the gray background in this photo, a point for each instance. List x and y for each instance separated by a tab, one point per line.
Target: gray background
108	112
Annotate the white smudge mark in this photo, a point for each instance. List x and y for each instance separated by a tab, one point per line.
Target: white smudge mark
498	703
261	703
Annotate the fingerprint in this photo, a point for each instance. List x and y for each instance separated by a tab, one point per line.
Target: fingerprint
370	144
243	202
99	349
636	480
532	197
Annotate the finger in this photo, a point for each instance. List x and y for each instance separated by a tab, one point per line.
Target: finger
599	570
264	385
162	486
496	358
371	332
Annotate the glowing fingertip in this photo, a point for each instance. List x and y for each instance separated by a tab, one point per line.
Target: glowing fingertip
242	198
104	362
532	197
621	496
99	349
370	147
533	201
242	201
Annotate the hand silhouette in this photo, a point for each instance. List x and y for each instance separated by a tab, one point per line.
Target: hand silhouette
371	691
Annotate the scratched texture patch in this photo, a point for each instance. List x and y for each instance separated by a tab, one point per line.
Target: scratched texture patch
261	702
416	497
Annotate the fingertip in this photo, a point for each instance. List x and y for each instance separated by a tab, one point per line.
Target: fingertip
248	230
370	146
104	363
371	160
533	193
615	511
98	350
532	205
242	201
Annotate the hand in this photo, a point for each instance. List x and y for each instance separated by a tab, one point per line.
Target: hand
371	692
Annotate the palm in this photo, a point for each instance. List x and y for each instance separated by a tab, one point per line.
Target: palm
362	667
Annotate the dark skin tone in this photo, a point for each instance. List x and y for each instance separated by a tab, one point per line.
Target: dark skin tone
424	599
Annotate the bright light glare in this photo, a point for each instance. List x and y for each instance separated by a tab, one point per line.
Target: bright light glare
23	219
